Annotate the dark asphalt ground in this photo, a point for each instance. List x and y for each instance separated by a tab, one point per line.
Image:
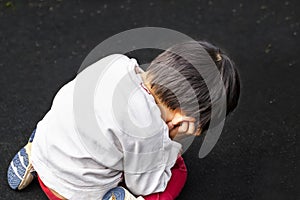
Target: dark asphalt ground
42	44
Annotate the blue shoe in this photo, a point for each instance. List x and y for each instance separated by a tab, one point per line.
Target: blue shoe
20	172
119	193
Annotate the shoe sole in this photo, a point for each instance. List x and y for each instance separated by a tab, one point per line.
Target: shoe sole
19	172
119	193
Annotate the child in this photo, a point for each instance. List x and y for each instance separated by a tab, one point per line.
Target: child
139	114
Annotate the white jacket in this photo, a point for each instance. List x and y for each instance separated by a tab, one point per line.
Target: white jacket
104	126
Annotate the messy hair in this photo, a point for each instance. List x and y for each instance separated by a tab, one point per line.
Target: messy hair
174	79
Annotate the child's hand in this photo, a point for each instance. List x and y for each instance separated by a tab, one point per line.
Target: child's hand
181	124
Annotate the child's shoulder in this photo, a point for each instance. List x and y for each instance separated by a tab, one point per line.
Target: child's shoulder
114	58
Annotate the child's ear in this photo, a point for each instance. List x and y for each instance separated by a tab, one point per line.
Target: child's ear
177	119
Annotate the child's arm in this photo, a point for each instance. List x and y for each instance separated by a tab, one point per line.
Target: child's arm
147	172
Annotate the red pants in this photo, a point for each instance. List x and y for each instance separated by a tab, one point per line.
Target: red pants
174	187
47	191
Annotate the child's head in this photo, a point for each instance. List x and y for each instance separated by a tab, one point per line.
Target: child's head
165	85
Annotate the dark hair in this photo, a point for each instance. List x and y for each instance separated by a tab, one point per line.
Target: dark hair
173	78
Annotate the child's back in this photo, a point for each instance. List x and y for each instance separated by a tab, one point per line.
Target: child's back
72	158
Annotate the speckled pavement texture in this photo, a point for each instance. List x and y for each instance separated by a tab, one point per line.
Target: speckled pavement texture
42	44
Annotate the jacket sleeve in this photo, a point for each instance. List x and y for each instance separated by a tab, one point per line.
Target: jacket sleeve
147	166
